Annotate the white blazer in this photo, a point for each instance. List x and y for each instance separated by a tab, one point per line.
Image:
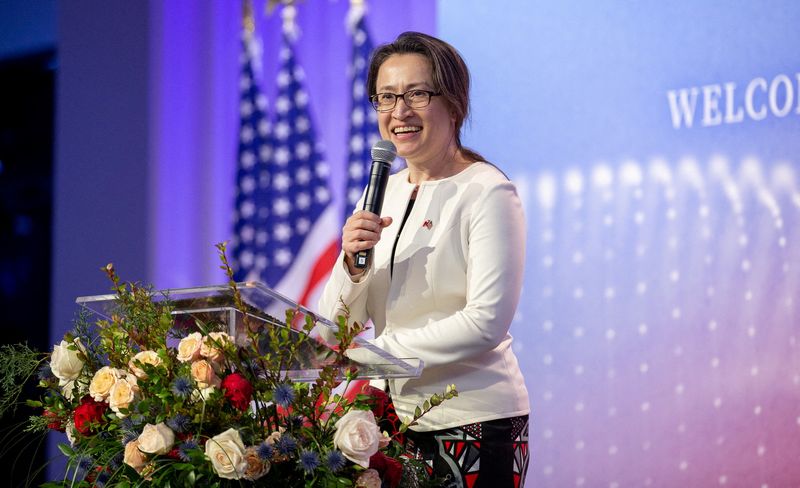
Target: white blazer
455	286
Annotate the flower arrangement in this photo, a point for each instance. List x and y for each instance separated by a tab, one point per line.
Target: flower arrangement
142	406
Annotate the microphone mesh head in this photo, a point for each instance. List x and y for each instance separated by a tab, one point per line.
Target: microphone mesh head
384	151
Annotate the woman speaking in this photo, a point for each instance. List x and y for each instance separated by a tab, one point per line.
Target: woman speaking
445	272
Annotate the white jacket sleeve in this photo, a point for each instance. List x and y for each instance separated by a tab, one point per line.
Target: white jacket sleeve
341	290
495	269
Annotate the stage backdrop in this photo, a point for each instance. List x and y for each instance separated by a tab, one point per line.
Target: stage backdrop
657	146
656	150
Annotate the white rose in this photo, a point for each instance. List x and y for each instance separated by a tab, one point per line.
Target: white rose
144	357
369	479
65	363
67	387
189	347
156	439
357	436
122	394
102	381
213	343
227	454
69	429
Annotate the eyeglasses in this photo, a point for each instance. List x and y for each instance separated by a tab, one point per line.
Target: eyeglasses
385	102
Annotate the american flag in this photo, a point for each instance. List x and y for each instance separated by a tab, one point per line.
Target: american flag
296	235
363	118
252	179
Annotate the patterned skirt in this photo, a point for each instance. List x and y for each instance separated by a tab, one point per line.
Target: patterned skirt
484	454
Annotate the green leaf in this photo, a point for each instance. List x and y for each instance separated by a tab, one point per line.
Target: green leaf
66	450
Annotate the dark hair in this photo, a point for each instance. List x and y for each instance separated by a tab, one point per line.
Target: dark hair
450	75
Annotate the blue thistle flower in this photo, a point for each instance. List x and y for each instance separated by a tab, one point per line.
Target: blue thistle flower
182	386
335	461
185	447
297	421
286	444
179	423
129	436
101	479
45	373
127	424
265	451
179	332
83	466
283	395
309	460
115	462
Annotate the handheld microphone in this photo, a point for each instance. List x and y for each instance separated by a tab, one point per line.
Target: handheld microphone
383	153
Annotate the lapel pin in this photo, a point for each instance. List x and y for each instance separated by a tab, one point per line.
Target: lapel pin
428	224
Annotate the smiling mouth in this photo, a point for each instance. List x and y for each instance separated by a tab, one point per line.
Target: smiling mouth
406	130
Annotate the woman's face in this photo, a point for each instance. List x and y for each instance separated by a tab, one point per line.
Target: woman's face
422	135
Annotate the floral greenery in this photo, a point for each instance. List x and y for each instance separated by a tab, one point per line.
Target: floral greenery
209	412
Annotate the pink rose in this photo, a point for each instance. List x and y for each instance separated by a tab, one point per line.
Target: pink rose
358	436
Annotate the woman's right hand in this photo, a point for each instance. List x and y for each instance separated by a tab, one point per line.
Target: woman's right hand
361	231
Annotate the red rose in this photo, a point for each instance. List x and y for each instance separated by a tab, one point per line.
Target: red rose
389	469
378	399
55	421
87	413
238	390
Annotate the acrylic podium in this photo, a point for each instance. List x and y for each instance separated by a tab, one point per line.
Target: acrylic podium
216	304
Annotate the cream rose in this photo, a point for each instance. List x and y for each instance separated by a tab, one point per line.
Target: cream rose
275	436
65	363
202	394
213	343
369	479
357	436
122	394
189	347
134	457
102	381
156	439
144	357
203	373
227	454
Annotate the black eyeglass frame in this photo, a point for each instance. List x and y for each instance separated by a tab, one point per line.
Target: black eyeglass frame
397	96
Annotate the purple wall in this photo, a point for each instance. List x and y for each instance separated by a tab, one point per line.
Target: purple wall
146	133
194	122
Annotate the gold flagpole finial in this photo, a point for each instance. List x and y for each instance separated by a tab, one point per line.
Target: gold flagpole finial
248	19
271	4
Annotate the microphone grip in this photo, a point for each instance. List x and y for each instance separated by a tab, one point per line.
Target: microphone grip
373	200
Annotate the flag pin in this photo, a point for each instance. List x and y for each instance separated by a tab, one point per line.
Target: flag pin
428	224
